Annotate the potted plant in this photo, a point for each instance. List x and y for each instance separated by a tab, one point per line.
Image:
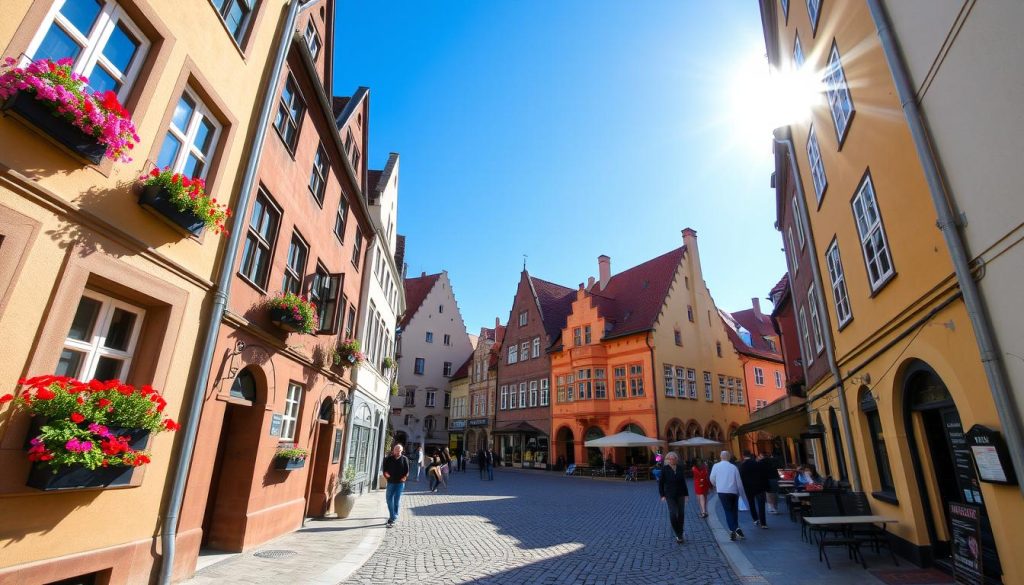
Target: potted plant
394	388
88	434
345	499
348	354
387	363
57	101
290	458
182	201
293	313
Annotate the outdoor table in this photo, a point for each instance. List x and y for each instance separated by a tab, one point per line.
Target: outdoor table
844	521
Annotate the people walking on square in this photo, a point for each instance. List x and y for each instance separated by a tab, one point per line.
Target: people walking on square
725	478
434	474
481	461
396	472
701	485
673	491
492	460
415	462
755	484
770	467
446	465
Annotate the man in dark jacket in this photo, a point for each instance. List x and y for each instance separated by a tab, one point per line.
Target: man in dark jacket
673	491
396	471
481	460
755	484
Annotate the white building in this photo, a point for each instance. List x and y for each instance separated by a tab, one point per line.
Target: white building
433	343
382	303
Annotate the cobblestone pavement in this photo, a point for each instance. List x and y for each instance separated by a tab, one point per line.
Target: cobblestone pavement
542	528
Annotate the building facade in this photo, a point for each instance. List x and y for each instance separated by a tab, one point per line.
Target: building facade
458	412
432	343
483	376
909	388
115	290
760	350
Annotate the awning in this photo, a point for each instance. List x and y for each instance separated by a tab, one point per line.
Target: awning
519	427
787	423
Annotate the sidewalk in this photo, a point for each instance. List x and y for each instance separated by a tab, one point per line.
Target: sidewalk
324	552
777	556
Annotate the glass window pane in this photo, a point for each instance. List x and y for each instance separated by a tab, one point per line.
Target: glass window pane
257	214
169	151
234	18
120	331
183	112
121	47
193	167
81	13
204	136
85	319
108	368
56	45
100	80
69	363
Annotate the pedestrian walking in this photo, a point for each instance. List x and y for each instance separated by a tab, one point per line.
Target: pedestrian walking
725	477
701	485
770	467
434	475
396	471
673	491
419	462
481	461
446	465
492	460
415	462
755	484
462	460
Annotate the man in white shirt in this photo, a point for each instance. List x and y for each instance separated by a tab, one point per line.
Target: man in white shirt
726	478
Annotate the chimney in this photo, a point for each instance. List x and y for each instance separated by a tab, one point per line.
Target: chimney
422	274
757	306
590	283
604	270
497	323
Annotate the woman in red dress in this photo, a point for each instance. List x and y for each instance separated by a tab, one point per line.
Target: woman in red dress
701	485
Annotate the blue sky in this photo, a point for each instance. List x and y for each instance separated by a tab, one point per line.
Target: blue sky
564	130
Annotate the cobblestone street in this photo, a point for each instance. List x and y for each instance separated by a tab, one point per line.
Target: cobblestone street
542	528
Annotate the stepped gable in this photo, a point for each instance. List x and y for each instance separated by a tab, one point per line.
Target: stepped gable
633	299
416	291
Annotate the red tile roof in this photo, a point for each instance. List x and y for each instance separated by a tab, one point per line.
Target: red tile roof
759	326
779	286
555	303
463	371
633	298
416	290
741	347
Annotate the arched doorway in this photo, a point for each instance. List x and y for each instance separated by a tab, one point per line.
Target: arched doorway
937	436
565	446
594	456
321	451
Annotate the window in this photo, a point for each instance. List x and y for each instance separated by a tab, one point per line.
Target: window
620	381
536	347
431	398
813	12
419	366
732	390
289	114
318	176
191	137
524	351
357	248
792	251
739	392
523	317
295	269
812	302
670	389
447	369
586	390
103	43
707	386
636	380
410	397
718	348
771	343
870	409
838	92
691	378
817	174
785	9
560	388
339	220
522	395
534	394
290	419
545	392
504	398
873	242
430	337
798	53
689	313
679	337
600	385
350	323
759	376
805	339
681	382
586	334
447	339
236	15
513	401
759	404
778	379
721	390
324	294
440	308
312	38
835	273
102	339
262	231
513	353
797	221
577	336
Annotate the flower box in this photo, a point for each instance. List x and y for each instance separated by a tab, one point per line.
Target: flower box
289	463
157	199
43	477
283	318
58	129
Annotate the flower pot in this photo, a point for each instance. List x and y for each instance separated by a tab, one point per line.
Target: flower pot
43	477
283	318
157	199
289	463
343	504
38	113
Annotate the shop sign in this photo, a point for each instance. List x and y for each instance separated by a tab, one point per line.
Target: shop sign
479	422
457	424
965	521
276	420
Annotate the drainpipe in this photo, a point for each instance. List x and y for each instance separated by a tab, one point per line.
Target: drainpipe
991	357
191	427
830	355
654	389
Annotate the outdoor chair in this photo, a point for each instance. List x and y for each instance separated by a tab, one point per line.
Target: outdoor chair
827	504
856	504
631	473
821	504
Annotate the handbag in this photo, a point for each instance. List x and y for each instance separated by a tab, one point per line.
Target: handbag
744	506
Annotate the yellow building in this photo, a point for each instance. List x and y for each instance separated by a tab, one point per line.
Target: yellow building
92	284
458	412
885	307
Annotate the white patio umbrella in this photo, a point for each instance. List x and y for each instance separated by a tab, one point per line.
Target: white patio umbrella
695	442
624	439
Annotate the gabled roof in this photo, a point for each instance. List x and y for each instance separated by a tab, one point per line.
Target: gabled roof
463	371
416	291
555	302
633	298
759	326
743	348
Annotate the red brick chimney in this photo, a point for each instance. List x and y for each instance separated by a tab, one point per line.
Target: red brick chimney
604	270
757	306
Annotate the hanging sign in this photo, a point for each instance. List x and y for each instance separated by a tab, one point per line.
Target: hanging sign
991	457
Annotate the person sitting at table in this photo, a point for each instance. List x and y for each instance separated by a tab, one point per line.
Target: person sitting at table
807	475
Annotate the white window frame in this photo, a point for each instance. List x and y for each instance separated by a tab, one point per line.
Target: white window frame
290	418
93	42
785	9
513	401
792	250
708	391
868	231
680	375
798	222
739	392
758	376
447	371
805	337
722	395
691	379
545	391
431	398
533	393
837	91
536	347
94	348
814	13
513	353
504	397
524	351
778	379
313	42
668	371
839	293
816	165
523	318
812	301
187	136
522	395
798	53
318	178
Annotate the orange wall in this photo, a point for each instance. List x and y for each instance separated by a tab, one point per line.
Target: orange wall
767	391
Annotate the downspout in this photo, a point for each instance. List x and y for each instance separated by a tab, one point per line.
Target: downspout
830	355
654	388
191	427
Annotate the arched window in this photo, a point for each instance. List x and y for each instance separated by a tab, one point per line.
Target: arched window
244	386
634	428
693	430
713	431
675	431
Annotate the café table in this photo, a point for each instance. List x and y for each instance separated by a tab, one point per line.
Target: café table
845	522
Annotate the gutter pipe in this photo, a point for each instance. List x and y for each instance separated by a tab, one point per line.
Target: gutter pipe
991	357
822	310
191	427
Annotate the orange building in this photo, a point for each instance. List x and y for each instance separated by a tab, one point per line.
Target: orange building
759	348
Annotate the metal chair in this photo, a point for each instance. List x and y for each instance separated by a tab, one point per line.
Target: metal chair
856	504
